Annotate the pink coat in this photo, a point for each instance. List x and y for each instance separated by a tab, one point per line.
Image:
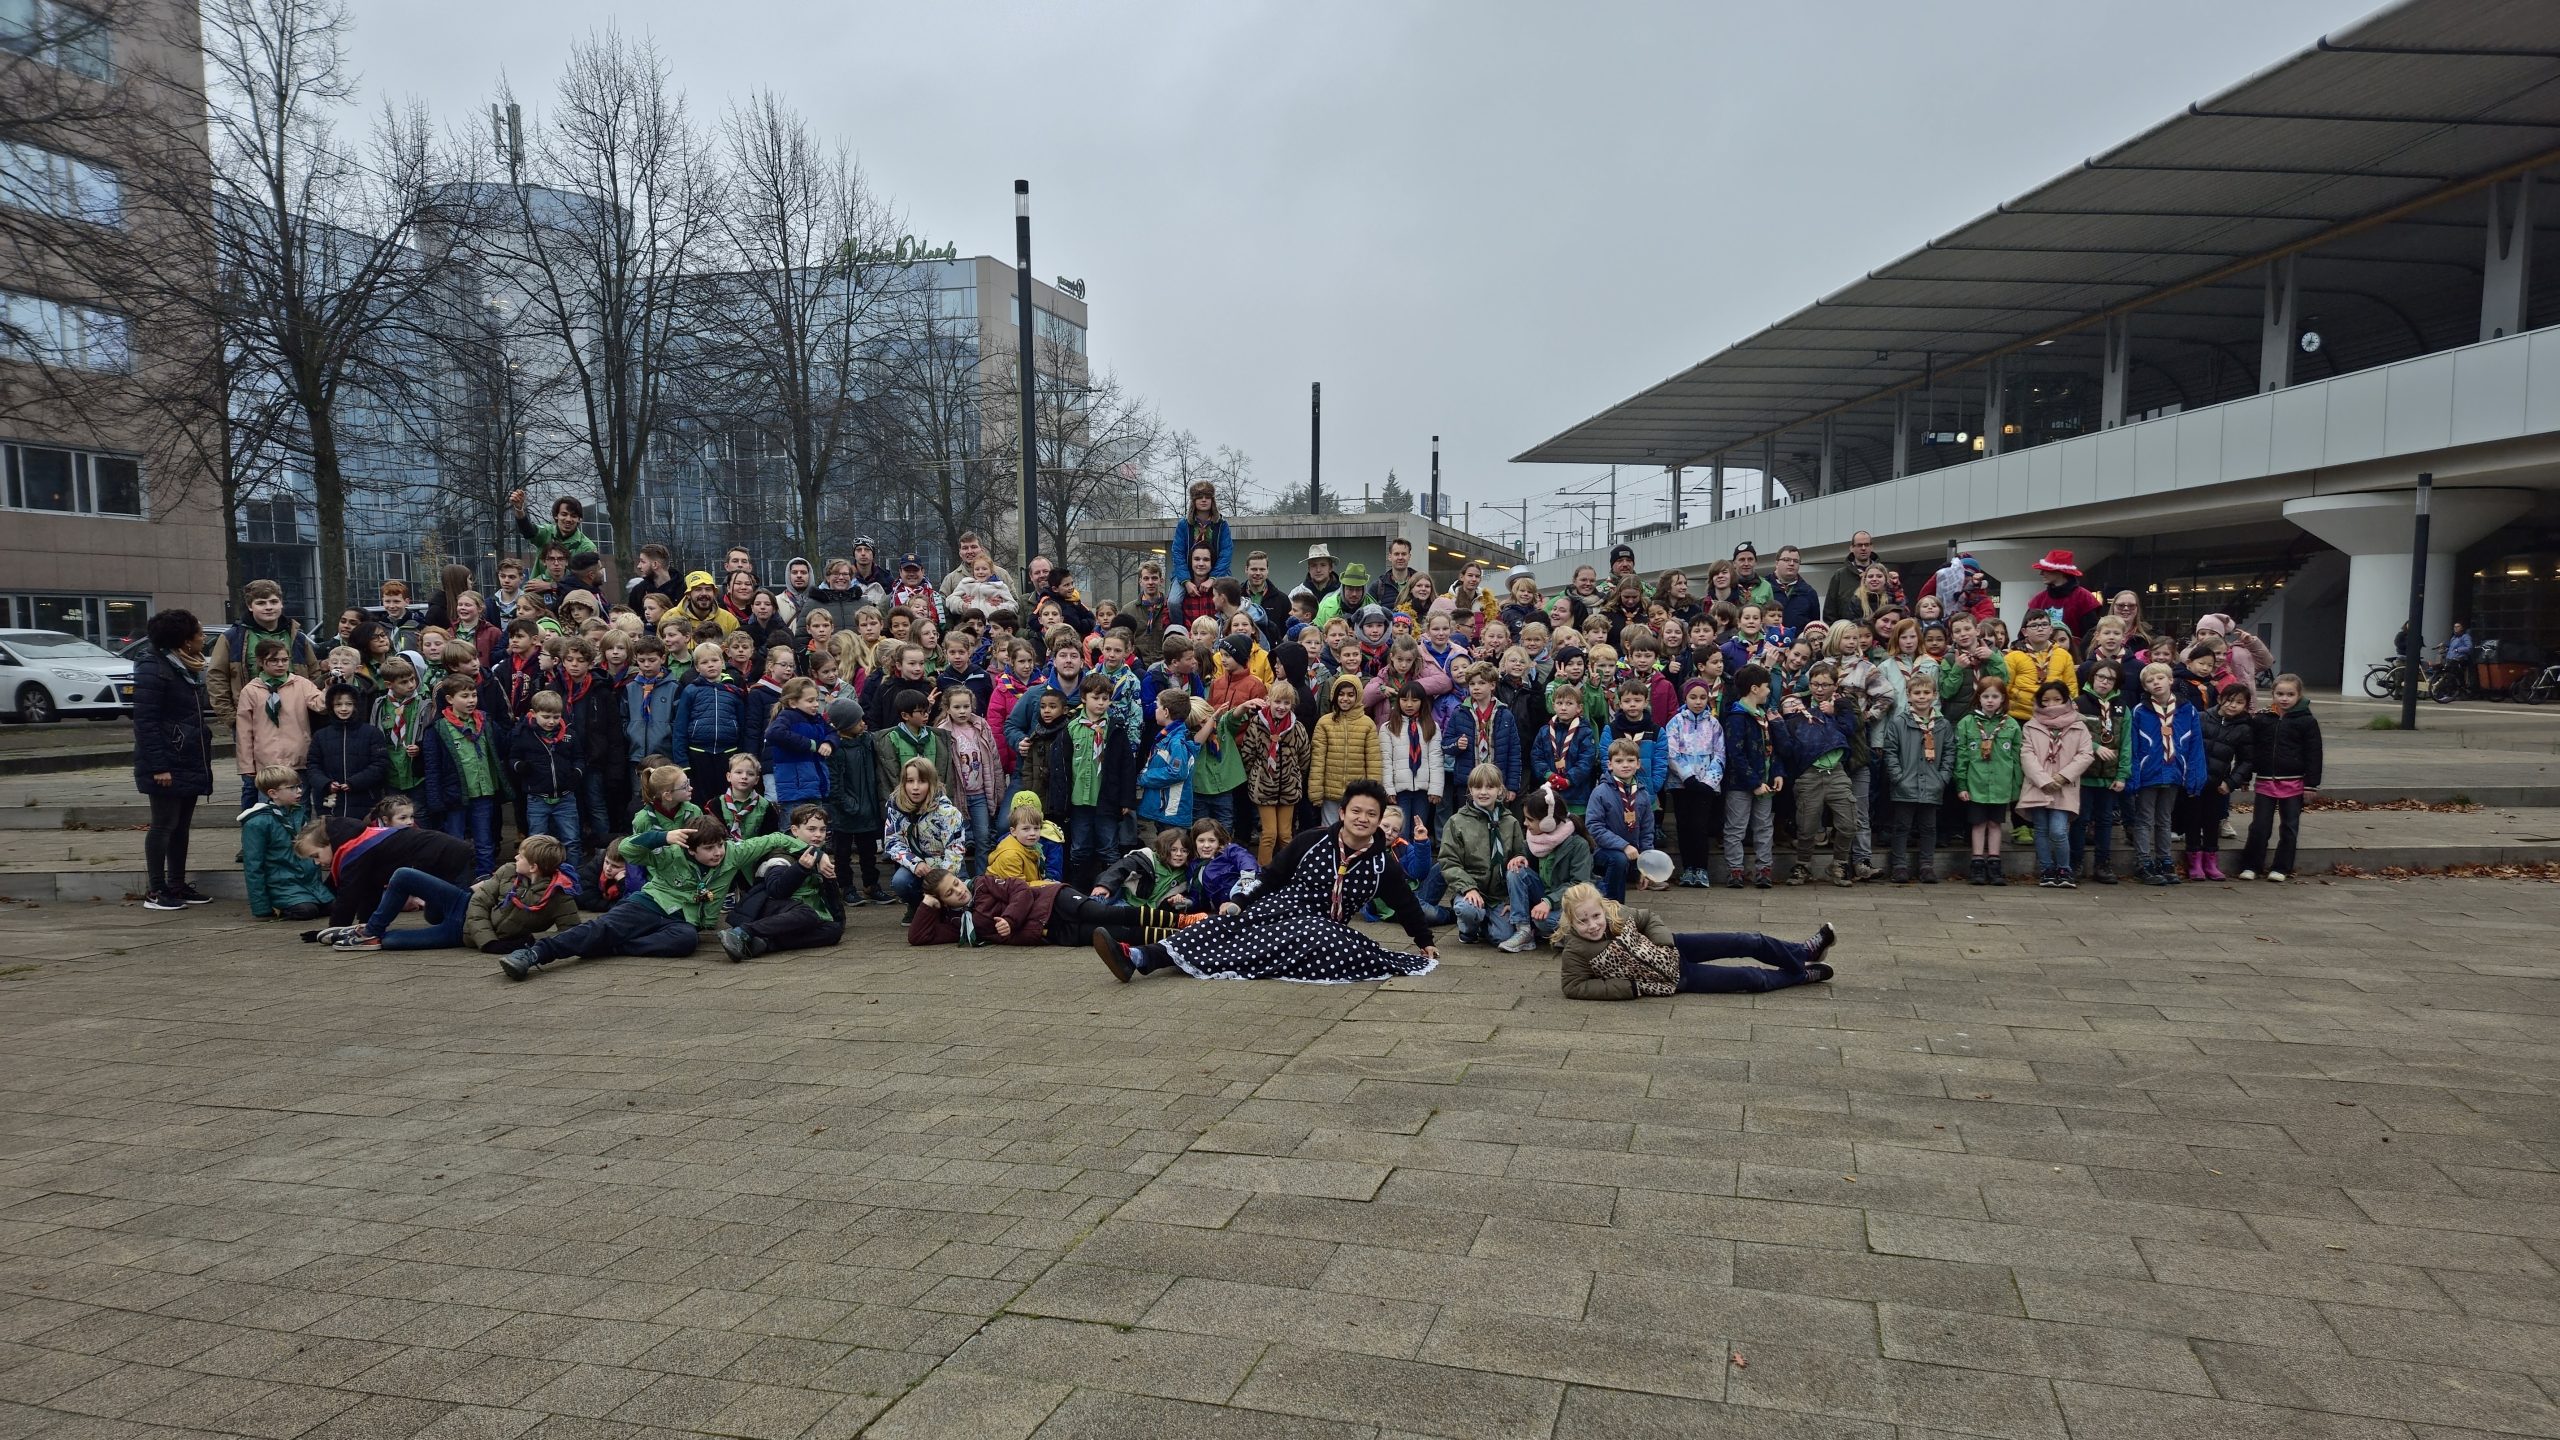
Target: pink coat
1381	703
2054	747
285	740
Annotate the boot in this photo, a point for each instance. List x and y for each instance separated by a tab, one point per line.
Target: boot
2156	872
1973	871
2102	871
2169	871
2195	863
2213	866
1926	872
1992	872
1901	874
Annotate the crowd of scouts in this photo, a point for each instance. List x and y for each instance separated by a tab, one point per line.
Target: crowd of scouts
1214	778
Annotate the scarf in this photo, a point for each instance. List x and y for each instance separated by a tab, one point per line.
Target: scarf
275	695
1276	722
1556	775
1413	748
1543	843
1927	720
470	746
737	812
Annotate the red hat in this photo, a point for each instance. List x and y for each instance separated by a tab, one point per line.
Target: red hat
2057	562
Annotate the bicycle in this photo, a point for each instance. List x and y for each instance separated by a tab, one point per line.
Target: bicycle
2382	679
2545	685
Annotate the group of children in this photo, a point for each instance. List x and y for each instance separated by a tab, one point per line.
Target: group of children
719	757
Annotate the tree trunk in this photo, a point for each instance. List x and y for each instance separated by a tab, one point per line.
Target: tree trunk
329	499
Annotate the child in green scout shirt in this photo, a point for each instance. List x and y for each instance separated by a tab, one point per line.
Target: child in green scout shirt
401	715
1987	774
664	917
794	899
461	779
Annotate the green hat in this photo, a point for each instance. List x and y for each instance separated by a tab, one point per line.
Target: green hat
1355	575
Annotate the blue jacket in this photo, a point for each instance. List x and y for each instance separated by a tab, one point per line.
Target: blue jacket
711	719
1220	537
1214	878
1462	749
763	701
1607	818
1577	765
649	716
1653	758
1164	786
791	757
1808	736
2178	760
1750	752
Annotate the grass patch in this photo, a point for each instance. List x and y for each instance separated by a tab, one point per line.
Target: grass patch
2382	722
17	972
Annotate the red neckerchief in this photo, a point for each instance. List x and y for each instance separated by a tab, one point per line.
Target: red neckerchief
736	813
1564	747
1274	729
1413	747
1484	719
576	690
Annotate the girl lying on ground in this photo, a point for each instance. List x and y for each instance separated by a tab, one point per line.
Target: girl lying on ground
1621	952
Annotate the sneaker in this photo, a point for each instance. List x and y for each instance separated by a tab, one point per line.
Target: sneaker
2044	880
162	900
2228	833
1927	875
357	941
854	898
1817	973
2248	874
1522	941
1115	955
734	941
520	964
1733	880
1765	880
188	894
2103	874
1821	943
1901	874
1843	878
2275	877
1799	875
880	897
2065	880
1973	872
1867	870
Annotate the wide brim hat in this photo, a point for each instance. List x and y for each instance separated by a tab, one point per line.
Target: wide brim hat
1354	573
1319	552
2057	562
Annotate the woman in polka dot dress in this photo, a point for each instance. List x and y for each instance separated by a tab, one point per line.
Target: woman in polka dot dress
1295	928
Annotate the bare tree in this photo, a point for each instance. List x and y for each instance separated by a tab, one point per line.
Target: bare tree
796	334
929	420
1096	445
601	244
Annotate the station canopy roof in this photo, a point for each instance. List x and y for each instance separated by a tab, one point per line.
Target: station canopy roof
2399	111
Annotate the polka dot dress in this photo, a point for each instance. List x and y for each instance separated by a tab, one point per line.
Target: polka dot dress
1290	934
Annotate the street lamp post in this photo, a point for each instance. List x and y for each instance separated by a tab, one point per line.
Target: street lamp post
1023	322
2417	603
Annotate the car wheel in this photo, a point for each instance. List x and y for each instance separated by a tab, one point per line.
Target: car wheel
35	705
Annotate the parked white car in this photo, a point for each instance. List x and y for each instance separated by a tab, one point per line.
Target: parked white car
47	675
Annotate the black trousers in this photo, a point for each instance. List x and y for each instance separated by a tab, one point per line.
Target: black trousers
1915	829
851	846
1698	810
770	912
164	849
1074	918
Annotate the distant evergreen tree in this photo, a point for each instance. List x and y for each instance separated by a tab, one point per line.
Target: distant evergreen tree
1395	497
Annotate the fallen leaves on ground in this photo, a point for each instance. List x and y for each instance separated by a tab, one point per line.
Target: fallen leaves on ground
2532	870
2432	807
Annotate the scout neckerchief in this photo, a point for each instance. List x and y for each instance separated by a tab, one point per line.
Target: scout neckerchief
275	695
1343	860
2168	727
1928	734
1413	746
1559	776
404	717
1484	724
1989	729
2042	674
1627	809
1276	723
736	811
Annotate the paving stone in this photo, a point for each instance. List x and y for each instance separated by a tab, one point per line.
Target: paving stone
1397	1227
1936	1238
1100	1415
1431	1399
2316	1276
2459	1342
2100	1412
1334	1179
1593	1414
1704	1308
2039	1347
2478	1399
1092	1292
1359	1323
1218	1254
1954	1285
1145	1362
1974	1402
1687	1362
2179	1310
959	1405
1529	1288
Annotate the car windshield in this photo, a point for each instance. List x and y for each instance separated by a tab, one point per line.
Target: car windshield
53	645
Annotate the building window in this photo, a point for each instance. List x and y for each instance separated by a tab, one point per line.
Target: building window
70	482
37	331
719	510
272	522
58	34
108	620
67	188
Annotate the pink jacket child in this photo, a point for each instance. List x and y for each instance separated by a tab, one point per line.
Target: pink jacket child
274	723
2243	655
2054	749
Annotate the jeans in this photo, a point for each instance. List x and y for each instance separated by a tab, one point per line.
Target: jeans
477	822
557	817
2152	807
1749	816
1915	831
164	849
982	835
1416	805
635	926
1784	961
1821	792
906	887
1863	784
2052	828
1478	924
1609	871
592	823
2100	806
446	904
2263	820
1090	832
1220	807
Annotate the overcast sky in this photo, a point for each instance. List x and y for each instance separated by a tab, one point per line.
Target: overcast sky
1483	219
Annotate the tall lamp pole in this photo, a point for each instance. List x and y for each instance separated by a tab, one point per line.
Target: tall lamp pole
1315	448
1023	322
1435	480
2417	602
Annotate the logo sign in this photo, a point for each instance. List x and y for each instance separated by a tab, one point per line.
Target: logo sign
1072	287
907	251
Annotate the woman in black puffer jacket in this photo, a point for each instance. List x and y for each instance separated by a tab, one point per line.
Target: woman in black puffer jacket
172	752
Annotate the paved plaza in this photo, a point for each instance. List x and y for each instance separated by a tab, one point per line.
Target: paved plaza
2254	1161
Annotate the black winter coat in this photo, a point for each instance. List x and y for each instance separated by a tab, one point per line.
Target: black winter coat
540	766
353	753
356	880
2288	745
2230	747
170	735
1119	790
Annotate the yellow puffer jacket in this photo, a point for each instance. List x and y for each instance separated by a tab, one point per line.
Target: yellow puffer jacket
2026	677
1346	747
